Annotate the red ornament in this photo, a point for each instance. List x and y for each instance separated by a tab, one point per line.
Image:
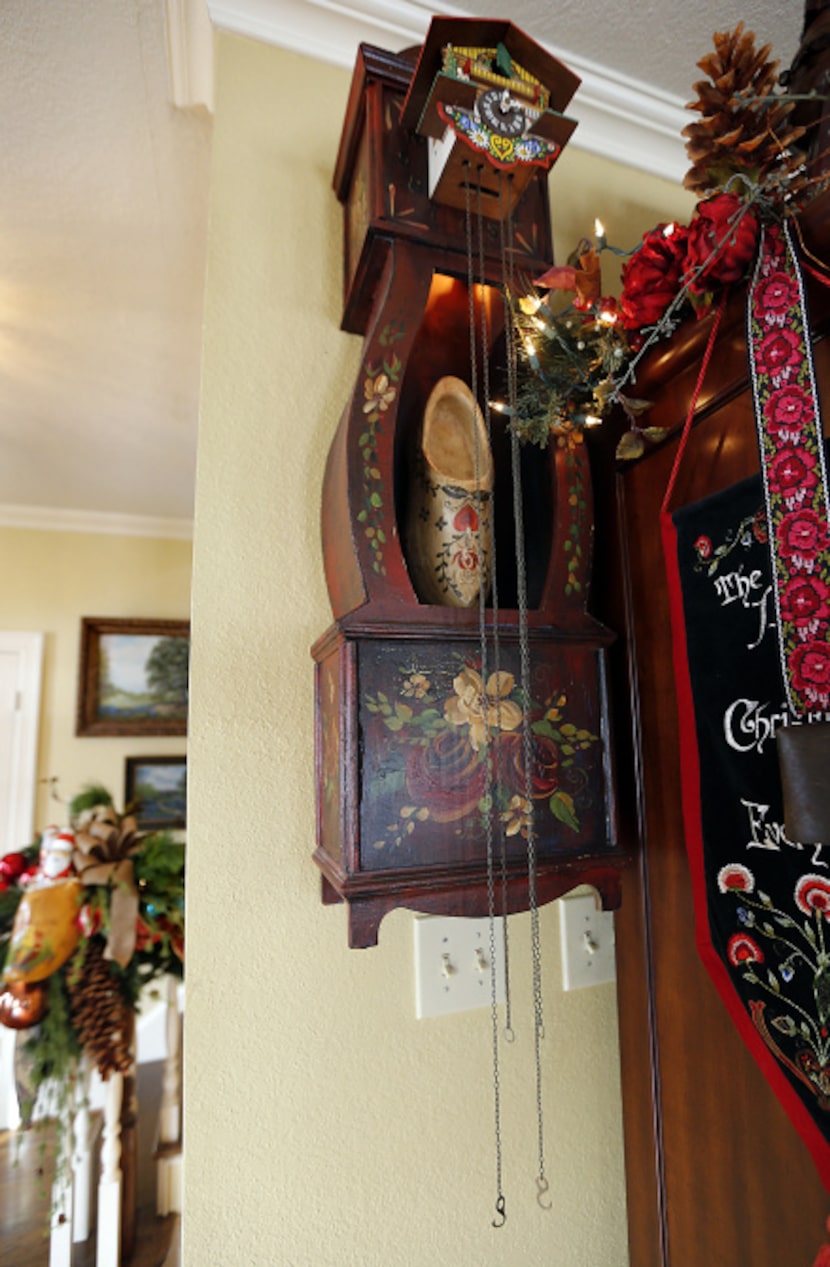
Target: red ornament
12	865
22	1005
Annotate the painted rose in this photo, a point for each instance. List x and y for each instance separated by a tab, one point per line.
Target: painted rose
721	242
447	777
735	878
703	545
788	410
651	277
774	295
802	536
810	669
792	473
779	353
481	707
744	949
545	760
812	893
804	601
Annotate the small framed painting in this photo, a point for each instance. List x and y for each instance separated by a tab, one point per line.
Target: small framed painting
133	677
156	789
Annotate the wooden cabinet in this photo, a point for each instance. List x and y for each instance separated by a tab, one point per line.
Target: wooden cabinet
716	1173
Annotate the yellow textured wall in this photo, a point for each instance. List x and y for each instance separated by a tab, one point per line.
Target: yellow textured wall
325	1126
49	581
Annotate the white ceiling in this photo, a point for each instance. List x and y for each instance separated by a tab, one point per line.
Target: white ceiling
103	207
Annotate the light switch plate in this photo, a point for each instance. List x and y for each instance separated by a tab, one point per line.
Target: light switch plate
587	940
452	964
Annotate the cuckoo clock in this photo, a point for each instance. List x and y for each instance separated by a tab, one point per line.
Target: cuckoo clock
459	727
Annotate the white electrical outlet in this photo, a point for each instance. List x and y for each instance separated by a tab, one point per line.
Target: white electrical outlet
452	964
587	940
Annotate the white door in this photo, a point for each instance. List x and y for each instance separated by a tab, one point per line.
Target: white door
21	667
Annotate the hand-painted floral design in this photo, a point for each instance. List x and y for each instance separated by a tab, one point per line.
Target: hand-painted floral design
703	545
379	393
794	471
461	751
785	955
517	816
416	686
481	708
380	390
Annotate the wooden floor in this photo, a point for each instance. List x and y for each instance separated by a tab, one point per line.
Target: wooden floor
25	1179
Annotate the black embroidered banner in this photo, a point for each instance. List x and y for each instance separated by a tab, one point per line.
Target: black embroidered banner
762	901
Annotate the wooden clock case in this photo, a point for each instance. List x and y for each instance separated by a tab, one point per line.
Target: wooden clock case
395	827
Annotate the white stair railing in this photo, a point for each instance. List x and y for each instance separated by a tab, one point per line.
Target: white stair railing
169	1152
108	1246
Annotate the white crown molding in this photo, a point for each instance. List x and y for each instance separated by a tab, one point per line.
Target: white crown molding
54	519
189	53
619	118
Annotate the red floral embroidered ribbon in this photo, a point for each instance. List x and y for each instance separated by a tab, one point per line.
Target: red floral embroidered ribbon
792	461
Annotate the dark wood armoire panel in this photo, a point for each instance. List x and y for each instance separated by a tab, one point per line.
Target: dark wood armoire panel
717	1175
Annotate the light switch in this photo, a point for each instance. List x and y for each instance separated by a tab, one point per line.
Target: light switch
452	964
587	941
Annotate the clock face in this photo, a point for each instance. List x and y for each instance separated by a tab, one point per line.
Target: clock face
501	112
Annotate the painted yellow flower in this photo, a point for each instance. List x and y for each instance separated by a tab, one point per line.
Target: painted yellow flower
416	685
379	394
481	707
517	816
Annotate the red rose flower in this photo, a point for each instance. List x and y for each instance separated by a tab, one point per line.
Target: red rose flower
788	410
812	893
774	294
744	949
651	278
544	773
792	471
778	351
721	249
802	535
805	600
810	668
703	545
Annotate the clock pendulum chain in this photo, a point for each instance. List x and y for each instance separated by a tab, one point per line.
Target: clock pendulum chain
506	239
494	606
501	1215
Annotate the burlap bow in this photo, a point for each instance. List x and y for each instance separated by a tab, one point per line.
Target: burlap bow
103	855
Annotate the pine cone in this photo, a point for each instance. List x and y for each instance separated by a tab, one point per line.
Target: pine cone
99	1012
744	126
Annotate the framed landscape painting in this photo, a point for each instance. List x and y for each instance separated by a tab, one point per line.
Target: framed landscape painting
157	787
133	677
